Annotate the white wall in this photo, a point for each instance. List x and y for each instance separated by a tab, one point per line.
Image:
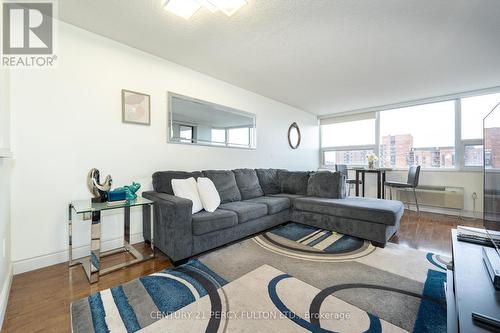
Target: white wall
5	261
67	120
5	169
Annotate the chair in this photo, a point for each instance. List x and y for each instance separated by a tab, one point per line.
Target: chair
342	168
412	182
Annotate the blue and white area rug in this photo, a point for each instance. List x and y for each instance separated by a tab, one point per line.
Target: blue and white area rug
294	278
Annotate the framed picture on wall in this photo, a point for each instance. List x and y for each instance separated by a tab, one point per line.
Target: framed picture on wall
136	107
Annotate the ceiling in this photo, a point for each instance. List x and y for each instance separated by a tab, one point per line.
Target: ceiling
322	56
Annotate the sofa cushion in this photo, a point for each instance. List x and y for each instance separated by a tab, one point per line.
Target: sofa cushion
326	184
162	180
248	183
291	197
209	196
293	182
225	183
269	180
366	209
245	210
205	222
188	189
274	204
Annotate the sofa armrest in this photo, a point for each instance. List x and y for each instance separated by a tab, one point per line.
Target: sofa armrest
172	225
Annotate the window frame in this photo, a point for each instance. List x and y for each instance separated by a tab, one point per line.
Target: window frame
192	132
460	143
229	144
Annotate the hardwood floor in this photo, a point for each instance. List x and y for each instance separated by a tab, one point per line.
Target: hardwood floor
430	232
39	300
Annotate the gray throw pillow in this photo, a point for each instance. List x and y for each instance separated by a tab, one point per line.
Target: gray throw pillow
225	183
162	180
248	183
294	182
269	180
326	184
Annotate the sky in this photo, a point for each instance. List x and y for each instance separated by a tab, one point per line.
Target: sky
432	125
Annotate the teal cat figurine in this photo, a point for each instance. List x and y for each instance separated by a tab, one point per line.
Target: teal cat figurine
130	191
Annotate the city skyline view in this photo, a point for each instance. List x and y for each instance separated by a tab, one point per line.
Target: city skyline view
398	151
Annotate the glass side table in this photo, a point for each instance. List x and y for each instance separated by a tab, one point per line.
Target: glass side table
92	264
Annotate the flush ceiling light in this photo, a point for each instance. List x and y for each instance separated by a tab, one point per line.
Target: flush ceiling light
228	7
206	4
186	8
183	8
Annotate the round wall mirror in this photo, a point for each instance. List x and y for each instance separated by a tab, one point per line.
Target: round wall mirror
294	136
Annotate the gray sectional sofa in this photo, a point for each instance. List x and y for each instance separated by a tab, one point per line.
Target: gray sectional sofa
255	200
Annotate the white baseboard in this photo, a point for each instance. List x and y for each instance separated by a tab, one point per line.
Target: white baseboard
29	264
4	295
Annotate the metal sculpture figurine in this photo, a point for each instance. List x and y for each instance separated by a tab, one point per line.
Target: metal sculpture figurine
98	190
129	190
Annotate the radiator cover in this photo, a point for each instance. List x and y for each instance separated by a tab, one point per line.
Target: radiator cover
434	196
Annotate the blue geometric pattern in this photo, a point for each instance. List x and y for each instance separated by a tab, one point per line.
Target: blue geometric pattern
375	325
431	315
172	289
166	295
126	311
432	261
169	295
311	236
294	231
98	313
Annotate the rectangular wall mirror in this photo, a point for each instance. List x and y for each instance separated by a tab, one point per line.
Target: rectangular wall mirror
193	121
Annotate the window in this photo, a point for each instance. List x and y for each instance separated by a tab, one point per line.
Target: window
347	157
238	136
418	135
347	140
443	134
351	133
474	109
233	137
473	155
186	133
219	135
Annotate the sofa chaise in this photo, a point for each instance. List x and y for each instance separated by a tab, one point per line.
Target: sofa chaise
255	200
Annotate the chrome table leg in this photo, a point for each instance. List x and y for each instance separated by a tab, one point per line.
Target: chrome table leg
70	235
95	247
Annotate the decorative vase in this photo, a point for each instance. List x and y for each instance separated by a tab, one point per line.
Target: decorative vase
370	165
130	190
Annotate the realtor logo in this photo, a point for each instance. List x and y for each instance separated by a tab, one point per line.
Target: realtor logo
28	34
27	28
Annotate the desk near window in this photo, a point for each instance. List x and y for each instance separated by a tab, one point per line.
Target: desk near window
381	173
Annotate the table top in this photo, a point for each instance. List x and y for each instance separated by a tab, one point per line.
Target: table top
87	206
474	291
371	170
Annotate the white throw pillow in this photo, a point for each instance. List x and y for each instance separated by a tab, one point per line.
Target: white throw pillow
187	189
209	196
